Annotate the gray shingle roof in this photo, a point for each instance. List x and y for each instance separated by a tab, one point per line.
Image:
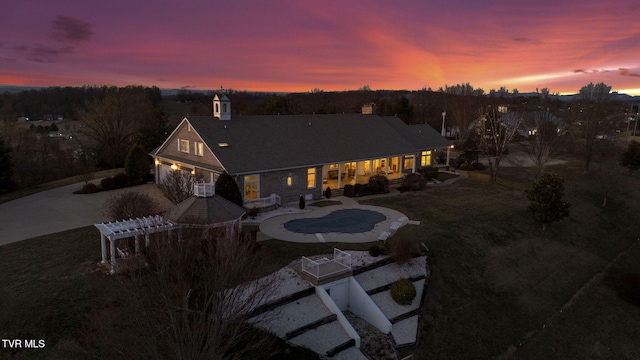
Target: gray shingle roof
262	143
205	211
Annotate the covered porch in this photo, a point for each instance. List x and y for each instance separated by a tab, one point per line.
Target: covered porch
337	175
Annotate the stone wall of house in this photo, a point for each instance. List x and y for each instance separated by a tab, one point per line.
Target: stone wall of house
275	182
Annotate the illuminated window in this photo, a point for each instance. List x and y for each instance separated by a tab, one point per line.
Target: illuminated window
198	147
183	145
311	178
408	163
252	187
425	158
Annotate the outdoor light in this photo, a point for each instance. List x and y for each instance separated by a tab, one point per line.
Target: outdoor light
174	167
157	162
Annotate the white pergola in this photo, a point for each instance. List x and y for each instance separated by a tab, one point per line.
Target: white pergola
132	228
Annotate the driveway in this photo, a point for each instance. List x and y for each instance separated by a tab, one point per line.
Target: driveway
56	210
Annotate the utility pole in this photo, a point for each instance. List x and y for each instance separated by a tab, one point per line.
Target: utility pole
444	114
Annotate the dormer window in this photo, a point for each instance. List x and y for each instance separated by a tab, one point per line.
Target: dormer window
223	144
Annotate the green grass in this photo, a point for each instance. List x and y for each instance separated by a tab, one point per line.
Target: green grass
54	184
496	278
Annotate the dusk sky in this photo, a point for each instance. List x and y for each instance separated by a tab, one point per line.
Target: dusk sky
331	45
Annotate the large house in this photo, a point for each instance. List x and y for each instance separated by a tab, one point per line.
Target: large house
292	155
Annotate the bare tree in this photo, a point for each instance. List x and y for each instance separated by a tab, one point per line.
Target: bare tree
496	129
592	114
462	106
544	139
113	123
177	186
194	297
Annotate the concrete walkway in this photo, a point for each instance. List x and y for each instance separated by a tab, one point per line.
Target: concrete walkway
58	209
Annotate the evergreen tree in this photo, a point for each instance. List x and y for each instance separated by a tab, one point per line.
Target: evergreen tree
136	164
631	157
546	199
227	188
6	169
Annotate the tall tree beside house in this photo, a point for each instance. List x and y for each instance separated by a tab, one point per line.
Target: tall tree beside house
6	169
227	188
114	122
545	198
137	163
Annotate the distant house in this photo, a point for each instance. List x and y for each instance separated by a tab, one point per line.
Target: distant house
60	134
294	155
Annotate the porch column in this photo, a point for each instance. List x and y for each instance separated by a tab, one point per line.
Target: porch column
113	255
413	168
448	152
386	167
103	244
146	240
355	177
339	176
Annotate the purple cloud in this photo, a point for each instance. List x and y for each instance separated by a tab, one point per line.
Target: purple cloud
626	72
69	29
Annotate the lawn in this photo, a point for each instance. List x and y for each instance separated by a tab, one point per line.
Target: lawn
497	288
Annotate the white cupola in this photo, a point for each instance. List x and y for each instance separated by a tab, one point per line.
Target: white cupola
222	107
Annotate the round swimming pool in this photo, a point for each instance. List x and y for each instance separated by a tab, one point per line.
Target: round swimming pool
349	221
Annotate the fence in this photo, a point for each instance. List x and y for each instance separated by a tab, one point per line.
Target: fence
272	199
324	267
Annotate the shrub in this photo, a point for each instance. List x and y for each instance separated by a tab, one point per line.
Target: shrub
301	203
227	188
414	181
130	205
378	184
402	249
466	167
403	291
122	180
89	188
148	178
349	190
108	183
137	162
374	250
253	212
327	192
429	172
478	166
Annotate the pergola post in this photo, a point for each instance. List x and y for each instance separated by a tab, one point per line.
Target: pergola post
147	241
113	255
137	242
103	245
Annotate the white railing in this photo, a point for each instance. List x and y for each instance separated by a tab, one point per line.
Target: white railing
342	258
311	267
324	267
273	199
202	189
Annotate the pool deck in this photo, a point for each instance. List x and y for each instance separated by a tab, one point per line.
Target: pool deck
274	227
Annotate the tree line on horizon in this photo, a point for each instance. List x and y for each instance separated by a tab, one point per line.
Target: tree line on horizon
107	121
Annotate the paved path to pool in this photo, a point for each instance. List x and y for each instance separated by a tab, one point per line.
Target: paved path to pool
274	227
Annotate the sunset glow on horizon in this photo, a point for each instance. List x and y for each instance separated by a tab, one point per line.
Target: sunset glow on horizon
296	46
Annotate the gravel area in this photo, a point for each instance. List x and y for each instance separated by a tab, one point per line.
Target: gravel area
293	315
323	338
405	332
387	274
390	308
351	353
